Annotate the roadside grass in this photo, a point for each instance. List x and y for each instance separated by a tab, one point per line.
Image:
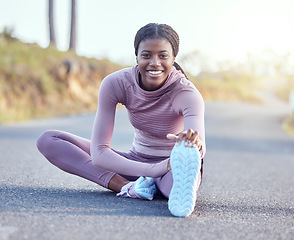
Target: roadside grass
228	86
40	83
288	125
283	93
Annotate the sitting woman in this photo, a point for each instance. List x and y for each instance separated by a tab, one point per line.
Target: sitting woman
167	112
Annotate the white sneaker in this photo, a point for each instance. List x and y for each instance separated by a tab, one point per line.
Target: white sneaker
185	166
143	188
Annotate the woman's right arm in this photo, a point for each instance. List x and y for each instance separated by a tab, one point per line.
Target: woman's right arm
101	153
104	118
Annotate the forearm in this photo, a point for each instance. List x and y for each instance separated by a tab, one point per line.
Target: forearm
104	157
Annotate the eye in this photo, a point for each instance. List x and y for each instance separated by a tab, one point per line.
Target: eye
145	55
163	56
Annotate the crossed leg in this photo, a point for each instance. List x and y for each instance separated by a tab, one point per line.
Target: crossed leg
71	154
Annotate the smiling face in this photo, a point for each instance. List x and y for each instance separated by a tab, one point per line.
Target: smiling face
155	60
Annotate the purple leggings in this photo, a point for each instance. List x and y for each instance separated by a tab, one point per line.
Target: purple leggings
72	154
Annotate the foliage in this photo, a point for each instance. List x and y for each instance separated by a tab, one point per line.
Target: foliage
7	34
37	82
284	91
227	86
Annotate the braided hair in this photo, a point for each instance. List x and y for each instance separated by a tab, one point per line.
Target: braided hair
156	31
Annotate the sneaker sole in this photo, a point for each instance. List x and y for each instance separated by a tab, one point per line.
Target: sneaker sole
185	164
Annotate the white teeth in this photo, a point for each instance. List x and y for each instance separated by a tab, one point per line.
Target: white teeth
155	72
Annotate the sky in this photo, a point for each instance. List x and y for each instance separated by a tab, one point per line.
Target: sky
218	29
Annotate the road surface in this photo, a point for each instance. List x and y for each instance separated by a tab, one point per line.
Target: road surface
247	191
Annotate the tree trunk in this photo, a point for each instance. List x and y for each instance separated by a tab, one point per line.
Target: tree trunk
51	23
72	43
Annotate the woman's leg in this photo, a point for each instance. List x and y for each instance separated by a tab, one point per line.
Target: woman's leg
117	182
165	183
72	154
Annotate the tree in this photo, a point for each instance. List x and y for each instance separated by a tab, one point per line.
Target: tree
72	41
51	23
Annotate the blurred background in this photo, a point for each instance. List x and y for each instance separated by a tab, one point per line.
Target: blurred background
54	54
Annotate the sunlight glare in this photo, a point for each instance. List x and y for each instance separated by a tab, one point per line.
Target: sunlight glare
261	30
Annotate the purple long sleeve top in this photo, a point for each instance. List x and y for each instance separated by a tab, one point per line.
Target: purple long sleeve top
174	107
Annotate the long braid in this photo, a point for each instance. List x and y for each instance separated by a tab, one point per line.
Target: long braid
178	67
155	31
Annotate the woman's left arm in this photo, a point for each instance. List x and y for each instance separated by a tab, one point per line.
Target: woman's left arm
191	105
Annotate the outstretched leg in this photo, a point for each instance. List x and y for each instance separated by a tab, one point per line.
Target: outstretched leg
185	165
165	183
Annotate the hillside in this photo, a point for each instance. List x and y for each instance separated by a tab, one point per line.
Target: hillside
38	83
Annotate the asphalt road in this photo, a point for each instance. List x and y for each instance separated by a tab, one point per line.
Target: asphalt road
247	191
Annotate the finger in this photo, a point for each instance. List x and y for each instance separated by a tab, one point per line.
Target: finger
194	139
197	141
188	137
191	137
181	137
199	145
189	134
171	136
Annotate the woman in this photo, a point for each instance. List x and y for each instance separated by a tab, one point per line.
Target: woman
164	107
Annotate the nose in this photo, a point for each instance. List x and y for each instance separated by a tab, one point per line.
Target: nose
154	61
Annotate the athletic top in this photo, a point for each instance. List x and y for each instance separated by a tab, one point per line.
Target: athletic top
176	106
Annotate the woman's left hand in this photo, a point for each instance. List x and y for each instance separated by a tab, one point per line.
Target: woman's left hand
190	138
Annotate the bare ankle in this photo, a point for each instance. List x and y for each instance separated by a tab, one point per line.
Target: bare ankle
117	182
